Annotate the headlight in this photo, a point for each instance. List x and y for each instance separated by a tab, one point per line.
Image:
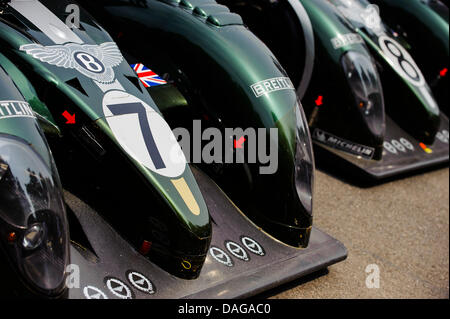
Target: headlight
33	224
366	87
304	162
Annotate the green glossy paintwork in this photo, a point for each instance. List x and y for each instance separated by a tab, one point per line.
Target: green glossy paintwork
436	25
426	115
25	87
88	107
25	128
339	115
425	29
199	225
405	102
372	41
222	59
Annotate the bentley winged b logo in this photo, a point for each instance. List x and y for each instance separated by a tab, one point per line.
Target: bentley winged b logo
93	61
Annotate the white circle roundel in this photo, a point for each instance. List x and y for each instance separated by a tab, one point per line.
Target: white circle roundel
143	134
401	60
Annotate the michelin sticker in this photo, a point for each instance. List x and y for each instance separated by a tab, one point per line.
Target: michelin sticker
93	61
143	134
10	109
330	140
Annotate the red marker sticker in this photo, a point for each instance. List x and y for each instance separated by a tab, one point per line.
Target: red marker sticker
238	144
426	148
319	100
145	247
69	117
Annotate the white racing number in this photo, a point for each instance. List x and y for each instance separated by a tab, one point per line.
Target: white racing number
89	62
399	146
396	146
407	144
390	148
143	134
443	136
401	60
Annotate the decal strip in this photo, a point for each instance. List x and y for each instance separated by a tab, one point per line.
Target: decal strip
343	145
272	85
10	109
46	21
185	192
343	40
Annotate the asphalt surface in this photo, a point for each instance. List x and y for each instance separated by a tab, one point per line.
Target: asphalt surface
401	226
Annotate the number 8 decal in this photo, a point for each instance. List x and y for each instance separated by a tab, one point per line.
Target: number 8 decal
402	61
89	62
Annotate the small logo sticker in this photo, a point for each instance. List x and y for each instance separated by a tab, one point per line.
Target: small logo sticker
272	85
93	61
118	288
10	109
91	292
236	250
221	256
147	76
343	145
253	246
140	282
346	39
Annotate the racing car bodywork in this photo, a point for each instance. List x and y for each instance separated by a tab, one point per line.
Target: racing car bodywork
136	211
424	29
367	103
34	238
230	80
111	146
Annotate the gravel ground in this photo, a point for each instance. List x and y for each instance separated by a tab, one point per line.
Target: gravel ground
401	226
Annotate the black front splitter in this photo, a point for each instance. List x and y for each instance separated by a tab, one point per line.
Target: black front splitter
402	155
242	261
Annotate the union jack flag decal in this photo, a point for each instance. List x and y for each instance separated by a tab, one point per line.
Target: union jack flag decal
147	76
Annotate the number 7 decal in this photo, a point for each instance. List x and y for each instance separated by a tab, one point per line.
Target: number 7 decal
140	110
